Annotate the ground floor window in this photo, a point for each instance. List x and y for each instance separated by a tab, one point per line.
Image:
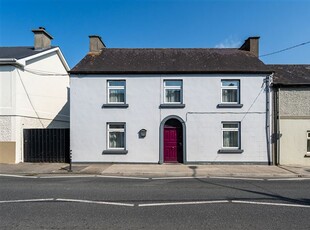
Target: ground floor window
231	135
116	135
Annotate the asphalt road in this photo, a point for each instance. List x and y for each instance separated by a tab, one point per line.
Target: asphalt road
115	203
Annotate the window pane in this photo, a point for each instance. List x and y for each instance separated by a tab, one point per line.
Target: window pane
116	140
115	126
173	83
230	125
117	83
230	83
229	95
308	145
173	95
230	139
117	95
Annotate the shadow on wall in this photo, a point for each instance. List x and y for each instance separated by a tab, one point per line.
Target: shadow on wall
62	119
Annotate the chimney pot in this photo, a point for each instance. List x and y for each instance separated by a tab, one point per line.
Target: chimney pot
42	39
251	45
95	43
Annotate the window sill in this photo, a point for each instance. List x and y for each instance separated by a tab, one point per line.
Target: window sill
172	106
229	105
115	106
230	151
111	151
307	155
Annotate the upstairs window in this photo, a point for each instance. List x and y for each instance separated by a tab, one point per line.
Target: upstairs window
231	135
230	91
173	91
116	91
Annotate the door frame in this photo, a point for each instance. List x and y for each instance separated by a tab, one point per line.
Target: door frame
161	138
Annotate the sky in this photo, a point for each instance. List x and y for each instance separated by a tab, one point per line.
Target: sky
161	24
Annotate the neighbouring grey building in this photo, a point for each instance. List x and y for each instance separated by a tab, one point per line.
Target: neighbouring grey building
291	85
170	105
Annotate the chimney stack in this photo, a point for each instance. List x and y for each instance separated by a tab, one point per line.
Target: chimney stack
42	40
251	45
95	43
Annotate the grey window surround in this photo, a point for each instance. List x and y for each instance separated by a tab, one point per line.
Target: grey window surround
223	105
111	151
230	151
111	105
172	106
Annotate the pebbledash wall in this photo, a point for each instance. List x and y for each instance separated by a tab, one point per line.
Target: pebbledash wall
202	119
27	94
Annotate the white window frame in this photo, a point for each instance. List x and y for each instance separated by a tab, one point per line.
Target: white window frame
123	130
230	87
115	87
231	129
308	138
173	87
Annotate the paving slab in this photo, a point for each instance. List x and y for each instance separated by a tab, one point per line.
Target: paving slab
196	170
157	170
32	168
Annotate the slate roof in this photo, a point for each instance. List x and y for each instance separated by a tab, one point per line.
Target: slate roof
291	74
186	60
19	52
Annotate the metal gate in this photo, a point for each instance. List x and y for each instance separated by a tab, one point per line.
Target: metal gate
46	145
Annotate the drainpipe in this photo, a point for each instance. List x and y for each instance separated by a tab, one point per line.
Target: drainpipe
275	135
278	126
268	134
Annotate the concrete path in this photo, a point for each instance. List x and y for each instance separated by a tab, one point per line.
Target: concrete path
156	170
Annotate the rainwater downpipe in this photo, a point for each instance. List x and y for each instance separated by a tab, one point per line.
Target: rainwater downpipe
278	126
267	81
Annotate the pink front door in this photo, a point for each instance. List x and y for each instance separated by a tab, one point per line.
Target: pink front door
171	144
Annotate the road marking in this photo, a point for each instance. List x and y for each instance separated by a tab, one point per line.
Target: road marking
176	178
273	204
66	200
73	176
183	203
125	177
236	178
288	179
94	202
154	178
155	204
29	200
19	176
207	177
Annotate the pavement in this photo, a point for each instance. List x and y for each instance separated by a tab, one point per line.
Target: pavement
157	170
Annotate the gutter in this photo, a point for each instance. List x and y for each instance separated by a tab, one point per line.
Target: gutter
166	72
10	61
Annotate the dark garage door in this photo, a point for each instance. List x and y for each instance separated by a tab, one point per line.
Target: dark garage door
46	145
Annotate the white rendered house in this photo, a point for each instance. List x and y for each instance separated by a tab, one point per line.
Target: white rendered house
34	89
170	105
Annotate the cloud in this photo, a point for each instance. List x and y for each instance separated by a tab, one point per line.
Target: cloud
229	43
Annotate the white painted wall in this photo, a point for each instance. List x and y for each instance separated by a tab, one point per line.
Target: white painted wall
294	113
293	142
202	94
40	89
